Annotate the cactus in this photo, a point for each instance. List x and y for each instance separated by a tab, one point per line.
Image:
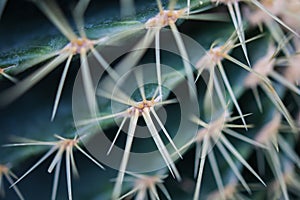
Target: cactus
170	99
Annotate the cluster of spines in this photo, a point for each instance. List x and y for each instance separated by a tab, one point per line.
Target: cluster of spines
81	45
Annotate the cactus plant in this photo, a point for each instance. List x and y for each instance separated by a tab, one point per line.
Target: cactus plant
143	82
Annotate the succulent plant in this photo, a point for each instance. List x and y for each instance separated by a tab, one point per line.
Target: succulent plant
170	99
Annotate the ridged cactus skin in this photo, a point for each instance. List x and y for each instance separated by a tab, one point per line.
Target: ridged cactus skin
227	69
